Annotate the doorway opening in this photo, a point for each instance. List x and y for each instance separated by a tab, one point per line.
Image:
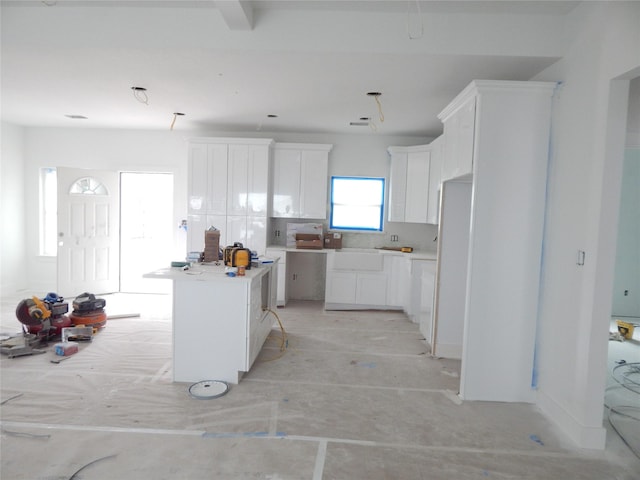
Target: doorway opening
146	230
623	382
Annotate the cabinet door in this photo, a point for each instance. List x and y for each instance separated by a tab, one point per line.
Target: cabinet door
417	196
237	179
220	222
397	187
282	274
258	180
236	229
286	183
340	287
217	179
427	285
196	225
207	179
256	234
396	268
371	289
198	178
313	184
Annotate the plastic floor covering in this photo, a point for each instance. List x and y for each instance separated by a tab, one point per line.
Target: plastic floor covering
354	395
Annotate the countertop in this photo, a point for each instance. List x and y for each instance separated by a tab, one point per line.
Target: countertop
415	255
205	272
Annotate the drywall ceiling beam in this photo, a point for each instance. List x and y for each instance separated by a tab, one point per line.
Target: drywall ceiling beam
237	14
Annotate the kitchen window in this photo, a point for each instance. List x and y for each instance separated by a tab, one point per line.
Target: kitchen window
357	203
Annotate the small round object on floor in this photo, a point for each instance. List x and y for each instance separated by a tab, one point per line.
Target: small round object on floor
208	389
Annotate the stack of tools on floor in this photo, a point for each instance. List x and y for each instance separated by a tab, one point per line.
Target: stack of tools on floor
88	311
45	319
211	245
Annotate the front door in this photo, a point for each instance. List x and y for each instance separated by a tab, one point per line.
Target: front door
88	237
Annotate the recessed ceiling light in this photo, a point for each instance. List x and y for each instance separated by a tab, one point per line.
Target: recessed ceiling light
374	94
271	115
365	118
77	117
359	124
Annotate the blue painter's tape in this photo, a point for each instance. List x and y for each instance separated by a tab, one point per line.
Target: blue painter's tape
242	435
536	439
367	364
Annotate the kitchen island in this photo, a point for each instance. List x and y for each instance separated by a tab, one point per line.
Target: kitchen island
219	322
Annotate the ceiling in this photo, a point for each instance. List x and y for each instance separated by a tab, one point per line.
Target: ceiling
230	65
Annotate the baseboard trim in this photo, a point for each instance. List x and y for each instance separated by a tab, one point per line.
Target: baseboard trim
448	350
583	436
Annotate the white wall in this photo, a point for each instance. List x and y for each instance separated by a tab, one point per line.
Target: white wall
13	253
165	151
583	194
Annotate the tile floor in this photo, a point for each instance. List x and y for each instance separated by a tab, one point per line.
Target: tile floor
354	396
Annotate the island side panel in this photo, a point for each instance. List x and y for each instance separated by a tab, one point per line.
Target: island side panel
209	329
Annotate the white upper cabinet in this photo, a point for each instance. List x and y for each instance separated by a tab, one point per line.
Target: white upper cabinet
207	179
435	180
314	168
409	184
228	180
300	179
459	133
397	184
286	183
237	179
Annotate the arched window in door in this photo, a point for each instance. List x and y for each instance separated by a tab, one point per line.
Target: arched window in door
88	186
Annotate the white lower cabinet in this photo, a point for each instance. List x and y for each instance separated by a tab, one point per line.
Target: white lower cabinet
371	289
427	285
281	283
219	324
384	281
341	287
355	289
355	281
397	268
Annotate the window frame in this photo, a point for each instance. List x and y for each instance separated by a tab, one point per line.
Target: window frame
381	205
